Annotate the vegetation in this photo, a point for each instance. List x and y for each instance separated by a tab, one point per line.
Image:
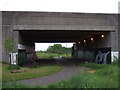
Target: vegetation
4	62
54	51
47	55
57	48
10	45
13	67
105	76
30	72
18	85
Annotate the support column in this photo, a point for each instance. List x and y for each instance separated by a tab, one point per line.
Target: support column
1	50
115	45
1	37
119	33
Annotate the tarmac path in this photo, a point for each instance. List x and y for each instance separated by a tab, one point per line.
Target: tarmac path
65	74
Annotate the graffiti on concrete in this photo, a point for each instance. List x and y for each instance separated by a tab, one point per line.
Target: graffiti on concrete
102	57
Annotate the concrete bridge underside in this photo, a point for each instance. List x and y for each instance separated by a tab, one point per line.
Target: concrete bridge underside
58	35
27	38
29	27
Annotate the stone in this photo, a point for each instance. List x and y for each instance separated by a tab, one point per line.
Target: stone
16	71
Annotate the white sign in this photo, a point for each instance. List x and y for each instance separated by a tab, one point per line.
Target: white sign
114	55
13	58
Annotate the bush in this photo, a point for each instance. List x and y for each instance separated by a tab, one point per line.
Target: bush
13	67
3	62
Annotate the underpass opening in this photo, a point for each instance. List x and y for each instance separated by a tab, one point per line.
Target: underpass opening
53	50
53	53
88	45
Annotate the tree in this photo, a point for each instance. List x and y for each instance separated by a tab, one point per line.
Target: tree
57	48
10	45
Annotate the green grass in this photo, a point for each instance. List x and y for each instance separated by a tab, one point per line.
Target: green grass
30	72
0	75
50	55
18	85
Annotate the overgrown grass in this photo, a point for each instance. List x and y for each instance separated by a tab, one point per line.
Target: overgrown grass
50	55
30	72
105	76
86	80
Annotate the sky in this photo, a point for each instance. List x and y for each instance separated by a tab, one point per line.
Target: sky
85	6
92	6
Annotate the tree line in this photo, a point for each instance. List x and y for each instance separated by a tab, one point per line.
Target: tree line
59	49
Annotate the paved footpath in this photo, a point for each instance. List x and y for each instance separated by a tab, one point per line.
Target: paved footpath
65	74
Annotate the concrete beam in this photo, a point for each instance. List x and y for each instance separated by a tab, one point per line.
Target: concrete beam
64	27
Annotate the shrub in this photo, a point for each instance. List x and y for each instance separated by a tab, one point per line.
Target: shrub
13	67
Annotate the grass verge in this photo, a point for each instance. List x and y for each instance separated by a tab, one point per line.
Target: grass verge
18	85
30	72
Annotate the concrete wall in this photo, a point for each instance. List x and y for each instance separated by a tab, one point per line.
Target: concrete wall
1	37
